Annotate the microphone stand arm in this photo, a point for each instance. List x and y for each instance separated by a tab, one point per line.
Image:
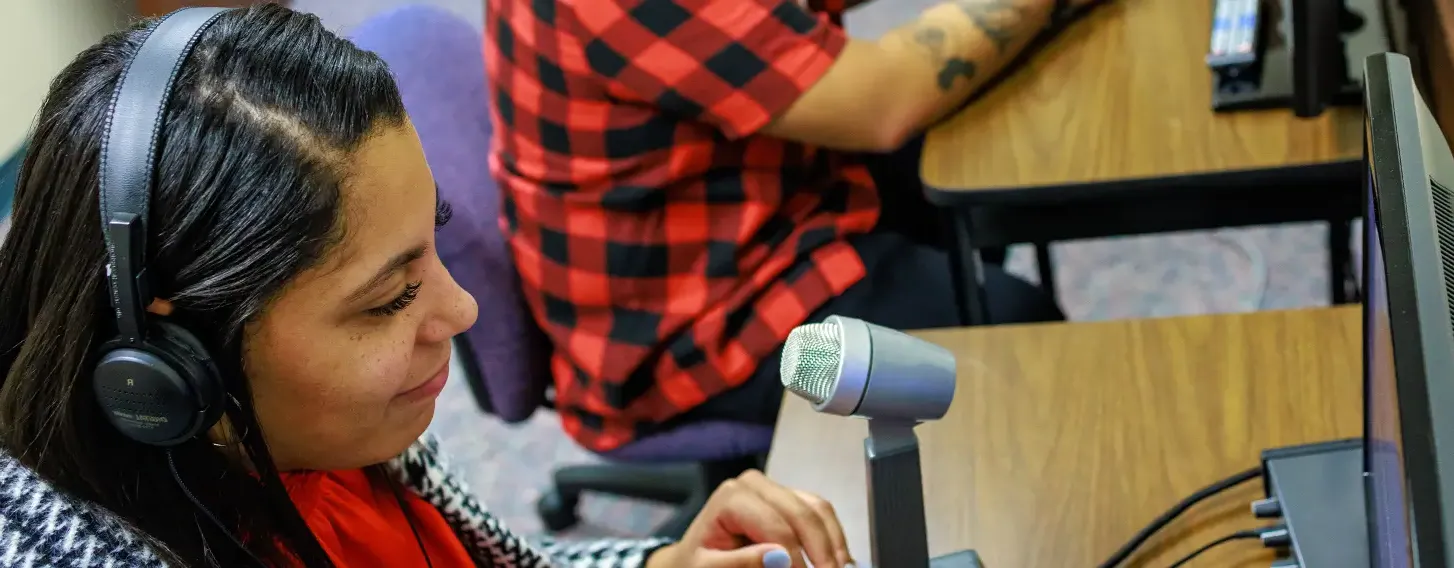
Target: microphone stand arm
898	531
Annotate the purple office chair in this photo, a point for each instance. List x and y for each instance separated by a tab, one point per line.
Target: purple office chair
438	62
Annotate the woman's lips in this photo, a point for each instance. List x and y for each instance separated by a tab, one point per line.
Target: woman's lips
430	388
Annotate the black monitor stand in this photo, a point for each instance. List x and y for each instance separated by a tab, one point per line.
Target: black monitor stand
1310	56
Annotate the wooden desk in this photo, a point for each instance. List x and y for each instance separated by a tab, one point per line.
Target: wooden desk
1108	131
1124	94
1065	439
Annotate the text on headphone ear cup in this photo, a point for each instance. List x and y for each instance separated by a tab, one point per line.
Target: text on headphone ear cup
145	396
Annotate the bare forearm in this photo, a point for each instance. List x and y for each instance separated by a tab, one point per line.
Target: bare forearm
953	48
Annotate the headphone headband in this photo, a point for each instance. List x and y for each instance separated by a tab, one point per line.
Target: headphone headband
159	388
128	159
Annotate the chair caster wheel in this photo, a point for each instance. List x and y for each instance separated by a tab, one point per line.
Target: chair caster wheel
557	511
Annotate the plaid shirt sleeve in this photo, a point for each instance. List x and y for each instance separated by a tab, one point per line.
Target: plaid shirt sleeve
735	64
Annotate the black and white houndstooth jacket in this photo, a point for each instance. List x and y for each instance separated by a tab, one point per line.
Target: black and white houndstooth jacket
40	527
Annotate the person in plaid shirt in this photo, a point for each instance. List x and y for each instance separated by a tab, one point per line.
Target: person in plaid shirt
685	181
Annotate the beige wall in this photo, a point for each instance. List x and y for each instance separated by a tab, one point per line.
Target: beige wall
37	38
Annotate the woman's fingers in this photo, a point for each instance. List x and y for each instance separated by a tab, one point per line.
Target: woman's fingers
810	527
825	511
743	512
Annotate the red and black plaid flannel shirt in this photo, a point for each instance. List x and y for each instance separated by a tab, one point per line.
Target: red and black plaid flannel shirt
663	247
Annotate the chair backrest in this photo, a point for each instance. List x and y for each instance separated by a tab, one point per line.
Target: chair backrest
505	350
439	67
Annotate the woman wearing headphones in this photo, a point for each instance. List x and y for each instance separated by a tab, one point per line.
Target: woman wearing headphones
286	267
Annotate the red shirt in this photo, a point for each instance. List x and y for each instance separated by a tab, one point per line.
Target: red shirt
663	246
359	522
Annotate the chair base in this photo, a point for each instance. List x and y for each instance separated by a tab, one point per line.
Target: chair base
686	486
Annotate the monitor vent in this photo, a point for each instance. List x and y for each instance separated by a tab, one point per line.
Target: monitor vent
1444	220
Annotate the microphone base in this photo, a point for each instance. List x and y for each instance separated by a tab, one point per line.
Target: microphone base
961	559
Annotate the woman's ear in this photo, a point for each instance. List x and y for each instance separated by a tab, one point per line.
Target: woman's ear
160	307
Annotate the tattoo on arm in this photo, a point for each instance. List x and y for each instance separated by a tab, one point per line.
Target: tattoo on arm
952	67
996	18
955	68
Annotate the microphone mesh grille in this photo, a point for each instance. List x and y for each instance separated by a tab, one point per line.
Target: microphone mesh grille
810	361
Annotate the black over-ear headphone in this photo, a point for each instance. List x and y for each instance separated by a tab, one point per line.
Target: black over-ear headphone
154	381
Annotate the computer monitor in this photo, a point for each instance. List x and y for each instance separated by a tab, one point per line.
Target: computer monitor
1408	332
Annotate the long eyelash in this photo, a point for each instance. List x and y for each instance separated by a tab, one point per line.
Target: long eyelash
411	291
443	212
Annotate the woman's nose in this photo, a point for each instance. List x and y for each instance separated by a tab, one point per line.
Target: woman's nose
455	312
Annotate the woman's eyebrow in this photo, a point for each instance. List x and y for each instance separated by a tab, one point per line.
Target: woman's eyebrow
398	262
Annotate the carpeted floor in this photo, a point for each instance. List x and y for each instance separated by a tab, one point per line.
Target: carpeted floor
1188	273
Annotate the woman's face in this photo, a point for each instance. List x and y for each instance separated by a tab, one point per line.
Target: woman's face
345	364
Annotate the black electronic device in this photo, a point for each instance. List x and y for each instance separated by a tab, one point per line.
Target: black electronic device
1316	490
1302	54
154	380
1409	358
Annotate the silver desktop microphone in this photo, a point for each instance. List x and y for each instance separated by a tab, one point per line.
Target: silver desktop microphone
850	367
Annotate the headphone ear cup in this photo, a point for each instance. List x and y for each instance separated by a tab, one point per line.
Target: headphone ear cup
196	367
145	395
163	392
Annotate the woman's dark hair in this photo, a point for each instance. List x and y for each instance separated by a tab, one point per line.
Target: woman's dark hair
264	118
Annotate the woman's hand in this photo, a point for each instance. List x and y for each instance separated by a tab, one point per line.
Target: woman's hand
752	522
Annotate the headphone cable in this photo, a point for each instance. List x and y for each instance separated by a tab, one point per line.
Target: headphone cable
1160	522
1239	535
172	464
408	517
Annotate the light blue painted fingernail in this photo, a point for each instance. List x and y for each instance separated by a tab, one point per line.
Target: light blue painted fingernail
777	558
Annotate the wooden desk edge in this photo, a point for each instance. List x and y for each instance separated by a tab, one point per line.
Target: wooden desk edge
948	196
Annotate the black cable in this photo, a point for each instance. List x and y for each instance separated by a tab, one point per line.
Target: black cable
172	464
408	517
1239	535
1160	522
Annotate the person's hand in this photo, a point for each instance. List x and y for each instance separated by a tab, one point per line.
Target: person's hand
752	522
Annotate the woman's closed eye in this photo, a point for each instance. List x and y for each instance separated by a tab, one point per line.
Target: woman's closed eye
405	297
